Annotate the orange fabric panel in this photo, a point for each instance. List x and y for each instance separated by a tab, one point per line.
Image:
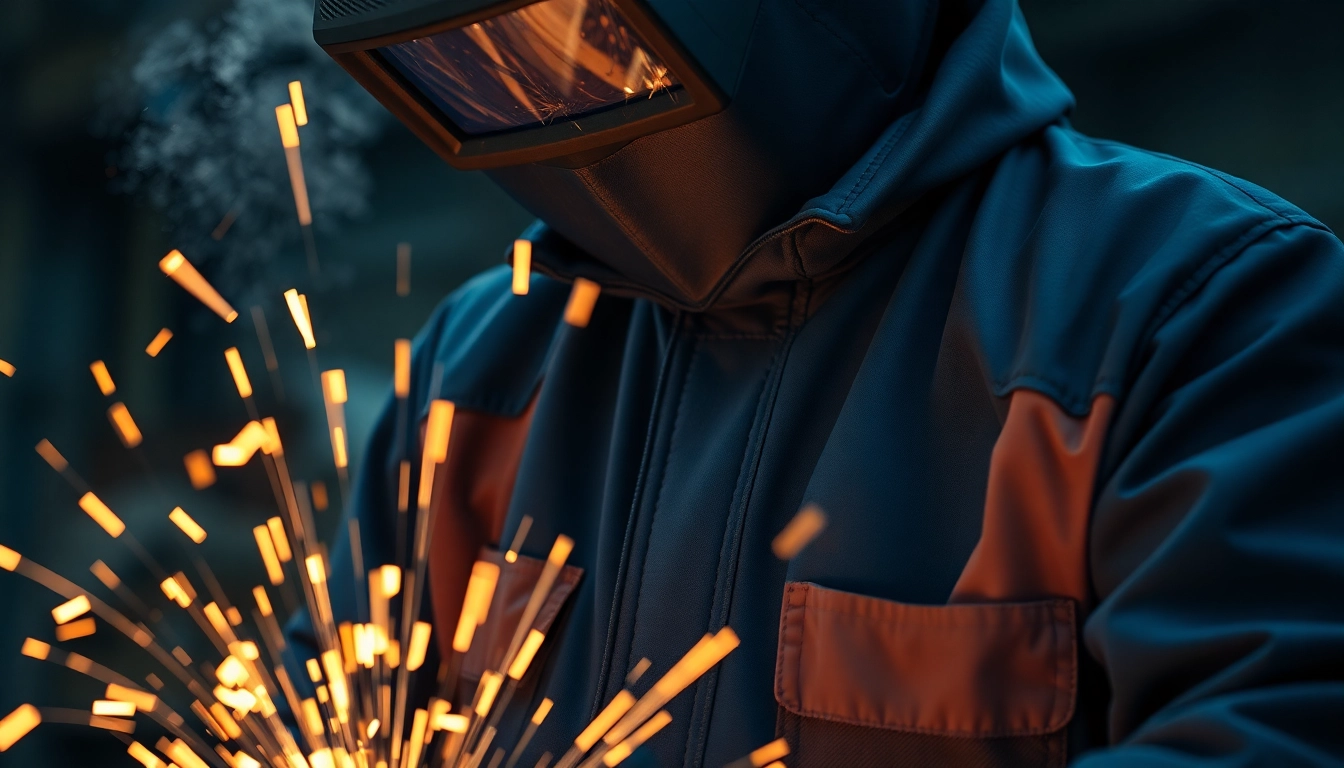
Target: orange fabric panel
471	500
1041	475
984	670
516	581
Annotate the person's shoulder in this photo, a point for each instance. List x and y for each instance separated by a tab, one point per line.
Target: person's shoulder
489	346
1162	188
1082	246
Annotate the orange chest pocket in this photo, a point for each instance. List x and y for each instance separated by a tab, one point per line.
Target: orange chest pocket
867	682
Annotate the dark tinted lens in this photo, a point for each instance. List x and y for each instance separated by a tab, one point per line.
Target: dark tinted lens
553	59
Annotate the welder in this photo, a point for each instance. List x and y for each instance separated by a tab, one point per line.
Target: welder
1074	410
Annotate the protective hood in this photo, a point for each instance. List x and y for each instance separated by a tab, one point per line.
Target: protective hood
844	114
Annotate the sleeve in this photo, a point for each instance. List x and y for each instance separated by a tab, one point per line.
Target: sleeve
1217	546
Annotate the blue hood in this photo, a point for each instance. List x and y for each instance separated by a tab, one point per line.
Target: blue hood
844	114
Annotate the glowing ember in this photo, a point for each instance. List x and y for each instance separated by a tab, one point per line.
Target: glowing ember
17	724
522	266
188	526
176	266
200	471
296	101
124	425
101	514
102	377
239	372
76	629
801	530
298	309
70	610
159	342
582	299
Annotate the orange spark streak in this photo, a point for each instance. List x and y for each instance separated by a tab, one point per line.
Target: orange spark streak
298	309
35	649
476	603
7	368
104	379
124	425
296	101
105	708
160	341
623	750
52	456
239	372
76	629
96	509
522	266
582	299
415	654
279	539
289	138
801	530
268	556
199	470
525	653
401	378
17	724
176	266
189	526
71	609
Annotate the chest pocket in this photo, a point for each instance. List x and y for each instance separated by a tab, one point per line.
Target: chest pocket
867	682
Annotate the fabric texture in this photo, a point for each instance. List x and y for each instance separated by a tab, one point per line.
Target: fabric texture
1011	362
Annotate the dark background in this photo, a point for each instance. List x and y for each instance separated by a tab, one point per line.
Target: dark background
1250	87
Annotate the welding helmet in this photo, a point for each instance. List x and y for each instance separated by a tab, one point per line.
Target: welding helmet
661	137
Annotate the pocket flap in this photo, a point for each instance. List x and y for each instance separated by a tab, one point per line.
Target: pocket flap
988	669
516	581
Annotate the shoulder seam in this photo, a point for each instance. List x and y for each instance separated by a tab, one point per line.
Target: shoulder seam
1291	214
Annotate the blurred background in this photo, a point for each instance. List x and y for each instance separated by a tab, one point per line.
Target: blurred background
115	113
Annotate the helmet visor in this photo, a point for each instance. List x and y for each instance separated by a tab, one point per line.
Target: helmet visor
546	61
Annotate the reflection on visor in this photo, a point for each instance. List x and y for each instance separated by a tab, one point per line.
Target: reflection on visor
552	59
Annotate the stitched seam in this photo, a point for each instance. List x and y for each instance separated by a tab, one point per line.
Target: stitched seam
742	496
662	484
654	257
799	709
622	577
